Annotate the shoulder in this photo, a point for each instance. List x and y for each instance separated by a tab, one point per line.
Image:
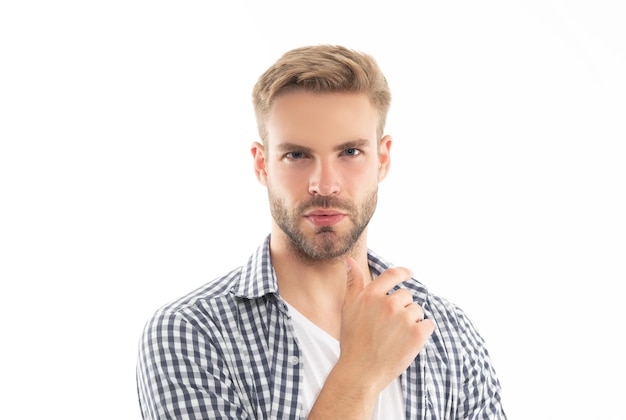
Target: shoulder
214	290
198	308
445	310
453	326
455	336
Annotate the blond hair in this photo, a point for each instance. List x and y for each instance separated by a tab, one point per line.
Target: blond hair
320	69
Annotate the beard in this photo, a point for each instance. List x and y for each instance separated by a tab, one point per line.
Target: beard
326	244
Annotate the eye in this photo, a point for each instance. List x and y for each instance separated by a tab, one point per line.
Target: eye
352	152
295	155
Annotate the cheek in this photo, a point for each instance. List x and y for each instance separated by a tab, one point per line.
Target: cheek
362	174
287	182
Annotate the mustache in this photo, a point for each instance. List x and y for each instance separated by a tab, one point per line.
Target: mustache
325	202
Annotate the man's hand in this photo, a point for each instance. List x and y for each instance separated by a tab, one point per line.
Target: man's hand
381	334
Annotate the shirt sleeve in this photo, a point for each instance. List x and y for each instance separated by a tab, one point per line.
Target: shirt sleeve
180	374
481	391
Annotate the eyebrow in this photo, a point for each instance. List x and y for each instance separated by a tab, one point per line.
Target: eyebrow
353	144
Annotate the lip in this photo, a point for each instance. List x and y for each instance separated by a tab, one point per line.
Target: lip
324	217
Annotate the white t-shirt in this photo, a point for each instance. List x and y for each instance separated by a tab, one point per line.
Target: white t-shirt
320	352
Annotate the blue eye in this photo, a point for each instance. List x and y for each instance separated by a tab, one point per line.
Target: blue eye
294	155
352	152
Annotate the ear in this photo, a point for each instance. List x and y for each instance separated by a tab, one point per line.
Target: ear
258	154
384	157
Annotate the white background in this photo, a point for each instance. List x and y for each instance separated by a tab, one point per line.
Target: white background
126	181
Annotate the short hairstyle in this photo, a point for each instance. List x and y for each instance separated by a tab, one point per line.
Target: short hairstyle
320	69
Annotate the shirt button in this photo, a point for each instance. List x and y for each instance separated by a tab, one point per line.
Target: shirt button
294	360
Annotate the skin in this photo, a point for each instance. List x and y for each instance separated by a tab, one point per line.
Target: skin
322	164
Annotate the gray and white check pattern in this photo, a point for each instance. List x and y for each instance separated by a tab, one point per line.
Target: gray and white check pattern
228	351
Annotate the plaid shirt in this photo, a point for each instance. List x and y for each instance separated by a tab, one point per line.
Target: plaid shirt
228	351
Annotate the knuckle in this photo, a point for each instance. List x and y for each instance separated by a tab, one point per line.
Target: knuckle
399	272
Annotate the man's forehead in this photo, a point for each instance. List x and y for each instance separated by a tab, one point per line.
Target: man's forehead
323	121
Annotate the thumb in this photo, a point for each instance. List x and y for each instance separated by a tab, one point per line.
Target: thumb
355	281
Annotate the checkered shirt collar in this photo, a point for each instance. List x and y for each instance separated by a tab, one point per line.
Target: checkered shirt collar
258	277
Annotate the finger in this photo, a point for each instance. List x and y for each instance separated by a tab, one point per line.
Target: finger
355	280
402	297
415	313
421	331
426	327
391	277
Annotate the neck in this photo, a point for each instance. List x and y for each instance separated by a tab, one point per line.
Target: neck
316	288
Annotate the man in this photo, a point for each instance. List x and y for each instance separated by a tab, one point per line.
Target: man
315	324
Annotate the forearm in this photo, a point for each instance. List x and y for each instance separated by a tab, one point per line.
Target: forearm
345	397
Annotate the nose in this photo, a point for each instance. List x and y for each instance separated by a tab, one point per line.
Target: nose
324	180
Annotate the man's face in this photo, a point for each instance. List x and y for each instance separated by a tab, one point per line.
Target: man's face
322	166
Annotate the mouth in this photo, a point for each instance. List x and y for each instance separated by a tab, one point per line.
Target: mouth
324	217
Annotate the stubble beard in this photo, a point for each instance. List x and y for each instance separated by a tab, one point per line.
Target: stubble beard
327	243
